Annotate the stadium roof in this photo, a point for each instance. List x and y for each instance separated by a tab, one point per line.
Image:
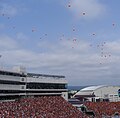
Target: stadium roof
92	88
88	90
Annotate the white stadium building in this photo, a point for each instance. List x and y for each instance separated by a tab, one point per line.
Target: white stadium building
19	83
99	93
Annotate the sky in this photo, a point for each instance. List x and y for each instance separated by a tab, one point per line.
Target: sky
75	38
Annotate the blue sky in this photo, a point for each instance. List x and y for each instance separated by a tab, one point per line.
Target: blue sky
76	38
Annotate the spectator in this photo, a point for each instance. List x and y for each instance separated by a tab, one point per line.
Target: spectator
40	107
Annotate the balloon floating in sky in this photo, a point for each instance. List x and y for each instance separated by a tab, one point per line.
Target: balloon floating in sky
103	54
69	5
73	29
3	14
113	24
83	13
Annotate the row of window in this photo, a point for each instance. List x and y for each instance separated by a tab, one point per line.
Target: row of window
16	91
36	85
10	91
46	86
12	74
11	82
43	75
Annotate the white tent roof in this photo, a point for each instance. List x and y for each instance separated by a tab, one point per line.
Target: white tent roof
92	88
88	90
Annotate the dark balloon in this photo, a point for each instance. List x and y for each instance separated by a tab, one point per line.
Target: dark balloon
83	13
69	5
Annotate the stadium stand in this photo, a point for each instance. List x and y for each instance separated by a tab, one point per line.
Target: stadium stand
40	107
104	109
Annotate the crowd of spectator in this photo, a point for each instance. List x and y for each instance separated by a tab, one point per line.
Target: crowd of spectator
104	109
55	107
40	107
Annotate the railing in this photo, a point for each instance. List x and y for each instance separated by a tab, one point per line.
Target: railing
46	80
12	87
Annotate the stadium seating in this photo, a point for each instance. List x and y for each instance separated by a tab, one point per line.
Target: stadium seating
104	109
40	107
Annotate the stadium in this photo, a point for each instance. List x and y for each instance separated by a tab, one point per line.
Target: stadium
99	93
101	101
31	95
78	39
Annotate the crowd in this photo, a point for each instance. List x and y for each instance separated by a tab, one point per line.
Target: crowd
40	107
55	107
104	109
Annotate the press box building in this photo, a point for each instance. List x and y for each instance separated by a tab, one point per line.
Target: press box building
16	84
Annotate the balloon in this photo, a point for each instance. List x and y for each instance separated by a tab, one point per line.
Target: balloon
69	5
113	24
83	13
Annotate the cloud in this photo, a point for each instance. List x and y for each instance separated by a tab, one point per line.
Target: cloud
80	64
10	10
7	43
92	8
7	9
113	46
